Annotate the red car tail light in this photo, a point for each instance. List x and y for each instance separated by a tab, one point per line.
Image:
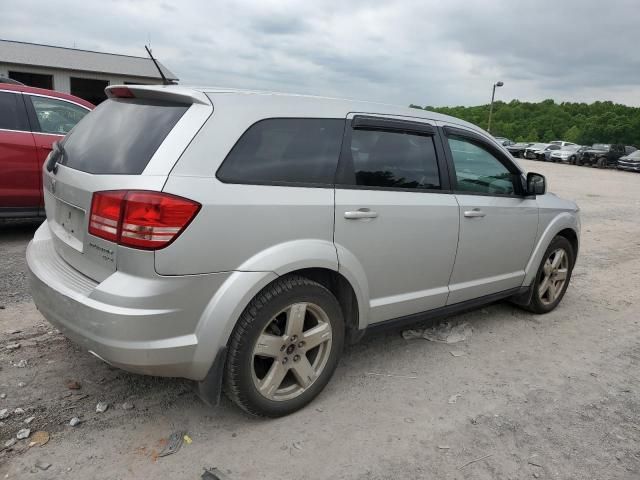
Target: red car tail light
140	219
105	214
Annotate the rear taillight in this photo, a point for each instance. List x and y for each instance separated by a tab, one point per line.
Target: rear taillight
140	219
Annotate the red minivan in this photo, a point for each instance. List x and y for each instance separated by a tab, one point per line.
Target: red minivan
31	120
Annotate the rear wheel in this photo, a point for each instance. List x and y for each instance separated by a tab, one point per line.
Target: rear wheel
553	276
284	348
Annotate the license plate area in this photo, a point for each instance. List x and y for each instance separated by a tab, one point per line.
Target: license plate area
69	224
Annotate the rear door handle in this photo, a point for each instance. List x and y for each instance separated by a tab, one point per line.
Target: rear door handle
360	213
475	213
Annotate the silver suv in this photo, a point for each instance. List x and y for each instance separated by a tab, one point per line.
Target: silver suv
240	238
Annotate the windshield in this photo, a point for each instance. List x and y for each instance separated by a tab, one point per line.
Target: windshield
601	146
120	136
635	154
539	145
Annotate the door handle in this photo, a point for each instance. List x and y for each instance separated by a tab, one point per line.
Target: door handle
475	213
360	213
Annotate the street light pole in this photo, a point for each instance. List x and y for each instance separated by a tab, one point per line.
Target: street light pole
493	94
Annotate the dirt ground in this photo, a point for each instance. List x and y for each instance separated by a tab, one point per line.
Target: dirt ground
553	396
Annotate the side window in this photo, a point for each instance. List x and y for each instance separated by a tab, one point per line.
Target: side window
379	158
285	150
478	170
12	112
56	116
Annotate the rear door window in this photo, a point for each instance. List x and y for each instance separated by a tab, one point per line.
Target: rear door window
389	159
285	151
120	136
56	116
13	115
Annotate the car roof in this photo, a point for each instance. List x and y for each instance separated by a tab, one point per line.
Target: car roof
337	106
47	93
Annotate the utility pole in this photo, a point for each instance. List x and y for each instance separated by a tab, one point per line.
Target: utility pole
493	94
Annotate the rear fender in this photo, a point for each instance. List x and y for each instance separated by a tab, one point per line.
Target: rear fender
228	303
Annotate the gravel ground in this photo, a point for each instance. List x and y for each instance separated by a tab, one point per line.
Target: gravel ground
553	396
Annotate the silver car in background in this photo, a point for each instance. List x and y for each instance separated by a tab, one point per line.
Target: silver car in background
240	239
566	154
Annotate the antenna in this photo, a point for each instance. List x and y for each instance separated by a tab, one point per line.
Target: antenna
165	80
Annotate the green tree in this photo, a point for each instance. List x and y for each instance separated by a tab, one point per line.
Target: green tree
598	122
572	134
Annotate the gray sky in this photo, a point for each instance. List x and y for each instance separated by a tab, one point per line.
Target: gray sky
424	52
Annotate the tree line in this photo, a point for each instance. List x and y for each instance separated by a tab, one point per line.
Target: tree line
582	123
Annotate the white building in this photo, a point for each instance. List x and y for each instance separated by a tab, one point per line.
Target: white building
80	72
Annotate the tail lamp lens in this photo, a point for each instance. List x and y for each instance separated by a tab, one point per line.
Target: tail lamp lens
140	219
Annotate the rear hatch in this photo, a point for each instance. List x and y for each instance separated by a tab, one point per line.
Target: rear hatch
129	142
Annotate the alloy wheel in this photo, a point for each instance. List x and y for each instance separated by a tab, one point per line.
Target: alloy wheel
292	351
554	276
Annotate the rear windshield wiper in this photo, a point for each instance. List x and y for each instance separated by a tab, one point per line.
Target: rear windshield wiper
55	157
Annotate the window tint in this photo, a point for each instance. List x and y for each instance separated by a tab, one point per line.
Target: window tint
12	112
290	150
57	116
378	158
120	136
478	170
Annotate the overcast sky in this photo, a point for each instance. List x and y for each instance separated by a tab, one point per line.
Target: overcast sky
423	52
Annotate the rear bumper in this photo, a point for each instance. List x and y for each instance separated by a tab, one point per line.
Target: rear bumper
143	325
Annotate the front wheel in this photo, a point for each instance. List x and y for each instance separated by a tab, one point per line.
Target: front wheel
602	162
553	276
284	348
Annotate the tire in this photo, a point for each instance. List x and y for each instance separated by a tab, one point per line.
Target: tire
602	162
543	302
572	160
278	366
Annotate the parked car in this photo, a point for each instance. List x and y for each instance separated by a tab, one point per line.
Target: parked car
531	151
545	155
562	143
517	149
567	154
602	155
240	239
505	142
630	162
578	155
31	120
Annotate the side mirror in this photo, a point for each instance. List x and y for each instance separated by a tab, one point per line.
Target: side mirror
536	184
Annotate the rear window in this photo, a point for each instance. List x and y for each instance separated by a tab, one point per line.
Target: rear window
120	136
285	150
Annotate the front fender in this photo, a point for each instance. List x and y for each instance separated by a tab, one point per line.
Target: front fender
560	222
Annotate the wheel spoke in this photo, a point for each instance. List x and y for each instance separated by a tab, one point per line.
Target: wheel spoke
268	345
561	274
552	291
557	258
547	267
295	319
316	336
303	371
272	380
544	286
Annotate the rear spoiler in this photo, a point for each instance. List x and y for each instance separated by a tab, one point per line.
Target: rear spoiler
171	93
